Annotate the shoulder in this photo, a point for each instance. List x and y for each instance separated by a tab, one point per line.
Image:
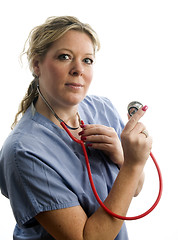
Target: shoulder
29	140
16	150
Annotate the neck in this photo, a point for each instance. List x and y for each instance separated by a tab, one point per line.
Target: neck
67	114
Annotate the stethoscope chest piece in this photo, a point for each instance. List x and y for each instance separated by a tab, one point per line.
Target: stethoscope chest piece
133	107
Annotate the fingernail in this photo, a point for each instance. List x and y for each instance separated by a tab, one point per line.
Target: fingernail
144	108
82	122
89	145
83	138
82	126
81	133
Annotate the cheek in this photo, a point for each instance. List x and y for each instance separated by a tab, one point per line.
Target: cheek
89	76
55	70
56	73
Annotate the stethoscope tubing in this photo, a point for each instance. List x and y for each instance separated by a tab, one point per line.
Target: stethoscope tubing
94	189
66	128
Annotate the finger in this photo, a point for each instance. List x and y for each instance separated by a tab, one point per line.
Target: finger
145	133
139	128
134	119
97	139
129	117
95	129
90	126
100	146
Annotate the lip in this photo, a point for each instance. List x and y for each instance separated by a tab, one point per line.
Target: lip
74	85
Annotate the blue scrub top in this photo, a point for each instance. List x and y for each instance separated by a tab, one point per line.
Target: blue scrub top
42	169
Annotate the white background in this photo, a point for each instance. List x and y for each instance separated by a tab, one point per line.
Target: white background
138	60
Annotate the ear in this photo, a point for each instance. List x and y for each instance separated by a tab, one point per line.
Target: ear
36	67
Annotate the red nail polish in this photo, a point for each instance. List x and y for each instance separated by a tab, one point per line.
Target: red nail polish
89	145
82	126
80	133
144	108
83	138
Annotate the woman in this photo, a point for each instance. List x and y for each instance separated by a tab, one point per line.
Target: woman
42	171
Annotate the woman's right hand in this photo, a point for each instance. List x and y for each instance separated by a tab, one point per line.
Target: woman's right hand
136	145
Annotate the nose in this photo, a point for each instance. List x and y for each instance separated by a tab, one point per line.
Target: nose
77	69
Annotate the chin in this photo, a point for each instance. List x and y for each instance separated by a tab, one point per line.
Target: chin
75	100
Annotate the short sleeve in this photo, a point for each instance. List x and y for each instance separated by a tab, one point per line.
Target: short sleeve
34	183
42	169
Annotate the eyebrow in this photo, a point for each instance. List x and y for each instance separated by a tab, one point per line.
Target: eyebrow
66	49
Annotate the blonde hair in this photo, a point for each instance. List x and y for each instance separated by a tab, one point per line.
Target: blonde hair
40	40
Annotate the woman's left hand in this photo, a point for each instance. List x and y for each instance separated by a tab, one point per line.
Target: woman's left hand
104	138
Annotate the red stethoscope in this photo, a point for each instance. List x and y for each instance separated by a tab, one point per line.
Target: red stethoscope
132	108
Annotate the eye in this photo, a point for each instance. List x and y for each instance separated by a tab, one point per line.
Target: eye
88	61
64	57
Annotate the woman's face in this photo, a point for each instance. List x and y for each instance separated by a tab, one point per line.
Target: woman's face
66	71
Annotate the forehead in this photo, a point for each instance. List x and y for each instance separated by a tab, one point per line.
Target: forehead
75	41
